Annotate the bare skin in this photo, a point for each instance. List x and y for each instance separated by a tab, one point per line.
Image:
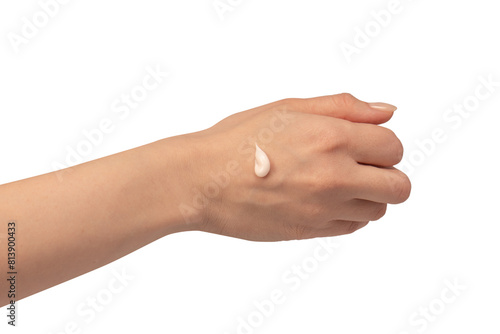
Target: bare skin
331	173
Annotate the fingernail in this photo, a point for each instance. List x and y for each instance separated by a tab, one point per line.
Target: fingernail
383	106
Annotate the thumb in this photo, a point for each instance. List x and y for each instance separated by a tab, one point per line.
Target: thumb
348	107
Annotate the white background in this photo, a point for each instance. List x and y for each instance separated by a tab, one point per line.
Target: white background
429	57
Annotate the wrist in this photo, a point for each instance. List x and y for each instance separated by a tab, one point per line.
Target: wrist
176	171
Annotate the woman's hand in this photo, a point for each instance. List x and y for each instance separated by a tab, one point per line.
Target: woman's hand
331	173
331	170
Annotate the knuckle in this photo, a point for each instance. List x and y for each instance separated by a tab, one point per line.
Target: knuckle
344	127
319	184
399	151
312	212
290	102
401	187
346	99
332	181
344	137
326	138
394	145
379	211
406	188
354	226
336	135
397	146
351	227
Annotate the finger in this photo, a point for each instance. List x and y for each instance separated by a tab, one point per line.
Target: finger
374	145
348	107
360	210
339	227
382	185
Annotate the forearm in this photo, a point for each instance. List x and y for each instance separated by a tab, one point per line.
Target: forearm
73	221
